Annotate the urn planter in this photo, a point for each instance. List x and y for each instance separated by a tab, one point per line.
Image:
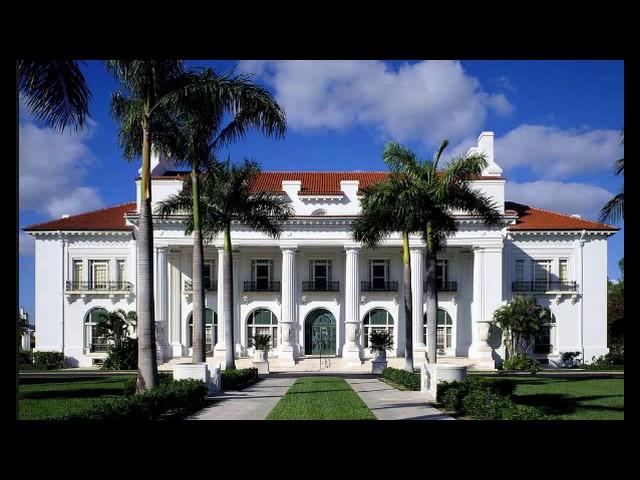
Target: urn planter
261	361
379	362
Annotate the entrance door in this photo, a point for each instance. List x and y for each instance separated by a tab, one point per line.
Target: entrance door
320	333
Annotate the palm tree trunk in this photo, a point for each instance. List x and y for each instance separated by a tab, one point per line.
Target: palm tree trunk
227	259
431	290
198	315
147	361
408	317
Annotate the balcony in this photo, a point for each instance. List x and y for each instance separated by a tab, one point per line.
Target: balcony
98	287
550	286
378	286
320	286
444	286
261	286
209	286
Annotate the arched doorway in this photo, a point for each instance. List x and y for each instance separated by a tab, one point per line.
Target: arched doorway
320	333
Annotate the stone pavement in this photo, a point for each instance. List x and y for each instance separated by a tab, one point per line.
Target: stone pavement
388	403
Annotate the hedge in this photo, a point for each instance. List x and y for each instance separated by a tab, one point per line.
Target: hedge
48	360
235	379
170	399
25	357
409	380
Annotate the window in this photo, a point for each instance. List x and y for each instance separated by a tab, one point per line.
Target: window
563	272
442	273
378	273
92	342
541	273
263	322
320	273
99	270
210	330
542	341
519	272
262	271
376	320
78	271
207	274
318	212
444	331
122	272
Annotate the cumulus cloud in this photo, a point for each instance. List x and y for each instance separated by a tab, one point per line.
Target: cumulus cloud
564	197
26	245
426	101
52	169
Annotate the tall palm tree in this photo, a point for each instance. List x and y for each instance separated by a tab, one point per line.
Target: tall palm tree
201	132
614	209
55	92
436	195
226	198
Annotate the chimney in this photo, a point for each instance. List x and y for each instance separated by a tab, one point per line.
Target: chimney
575	215
66	215
485	145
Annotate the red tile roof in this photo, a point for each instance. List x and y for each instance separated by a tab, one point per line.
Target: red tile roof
531	218
111	218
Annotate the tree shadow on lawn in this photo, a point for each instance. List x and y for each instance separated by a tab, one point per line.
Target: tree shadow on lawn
80	393
101	380
561	404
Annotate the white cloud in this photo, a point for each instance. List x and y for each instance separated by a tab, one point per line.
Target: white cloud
570	197
550	152
52	169
26	245
427	100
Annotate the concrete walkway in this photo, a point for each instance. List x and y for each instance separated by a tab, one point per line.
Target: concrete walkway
252	403
387	403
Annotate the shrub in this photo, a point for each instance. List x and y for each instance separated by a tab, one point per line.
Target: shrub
523	412
25	357
569	359
485	405
452	394
123	356
261	342
521	363
380	340
48	360
163	378
174	397
409	380
237	378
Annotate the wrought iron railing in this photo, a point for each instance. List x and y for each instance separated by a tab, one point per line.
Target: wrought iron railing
379	286
99	286
445	286
320	286
544	286
211	285
261	286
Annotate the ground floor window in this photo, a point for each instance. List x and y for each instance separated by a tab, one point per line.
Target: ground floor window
210	330
92	341
263	322
376	320
542	341
444	331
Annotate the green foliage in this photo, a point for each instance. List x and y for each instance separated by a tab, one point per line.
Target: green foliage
407	379
451	394
261	342
484	405
614	208
48	360
380	340
236	379
163	378
615	309
123	356
523	412
520	320
175	397
569	359
116	326
614	358
25	358
521	363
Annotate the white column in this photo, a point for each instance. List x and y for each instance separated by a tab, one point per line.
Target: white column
236	303
162	292
174	305
417	307
351	350
287	349
220	348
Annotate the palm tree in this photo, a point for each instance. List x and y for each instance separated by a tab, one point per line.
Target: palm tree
201	132
226	198
116	325
436	194
614	208
55	92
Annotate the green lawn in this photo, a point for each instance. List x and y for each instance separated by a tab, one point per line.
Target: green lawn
320	398
573	398
55	398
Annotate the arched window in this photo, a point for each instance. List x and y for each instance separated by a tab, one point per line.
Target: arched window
263	322
210	330
318	212
443	331
376	319
92	342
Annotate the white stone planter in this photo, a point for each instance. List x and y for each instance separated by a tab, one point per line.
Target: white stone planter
379	362
215	379
433	374
261	356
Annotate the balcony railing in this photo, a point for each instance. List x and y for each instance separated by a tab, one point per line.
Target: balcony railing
445	286
320	286
99	286
211	285
261	286
379	286
554	286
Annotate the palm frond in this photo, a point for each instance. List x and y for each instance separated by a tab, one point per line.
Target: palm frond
613	211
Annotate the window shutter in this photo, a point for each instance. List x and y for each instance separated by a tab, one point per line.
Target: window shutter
271	270
253	270
312	275
329	275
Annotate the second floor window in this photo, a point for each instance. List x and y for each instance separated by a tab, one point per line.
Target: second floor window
122	272
262	271
320	273
99	271
519	273
541	272
378	273
442	273
563	272
208	272
78	271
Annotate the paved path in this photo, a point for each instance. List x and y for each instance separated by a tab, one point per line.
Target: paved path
252	403
388	403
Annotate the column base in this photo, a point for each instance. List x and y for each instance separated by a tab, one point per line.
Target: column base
219	353
177	350
286	358
352	358
482	358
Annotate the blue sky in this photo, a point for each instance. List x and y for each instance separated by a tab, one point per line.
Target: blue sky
556	125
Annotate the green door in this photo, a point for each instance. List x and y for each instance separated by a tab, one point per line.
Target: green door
320	333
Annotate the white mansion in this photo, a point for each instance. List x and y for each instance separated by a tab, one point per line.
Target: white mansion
316	275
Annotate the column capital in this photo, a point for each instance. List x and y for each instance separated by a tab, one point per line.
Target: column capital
289	248
417	249
353	247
